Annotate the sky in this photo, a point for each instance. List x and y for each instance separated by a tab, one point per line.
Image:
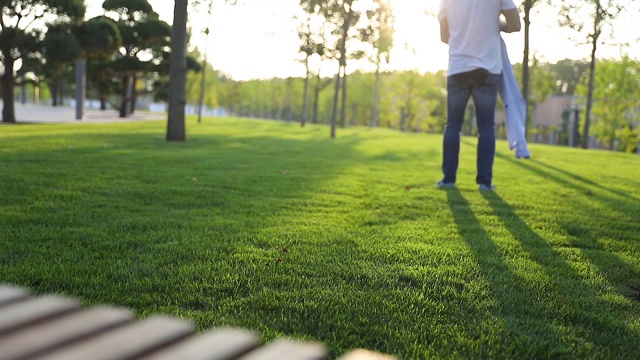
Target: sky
257	39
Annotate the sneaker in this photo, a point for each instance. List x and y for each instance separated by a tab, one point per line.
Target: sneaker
523	154
486	187
442	184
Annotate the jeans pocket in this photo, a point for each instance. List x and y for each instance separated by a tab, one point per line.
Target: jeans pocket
492	80
471	78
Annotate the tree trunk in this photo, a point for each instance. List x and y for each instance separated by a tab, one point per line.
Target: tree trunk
124	99
54	93
376	100
305	95
289	113
526	75
8	97
336	95
81	69
203	80
103	102
343	109
316	97
587	118
176	130
342	62
60	93
134	95
354	112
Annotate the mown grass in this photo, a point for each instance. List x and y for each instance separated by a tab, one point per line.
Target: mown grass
277	228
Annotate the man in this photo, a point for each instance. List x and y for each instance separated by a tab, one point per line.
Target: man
472	30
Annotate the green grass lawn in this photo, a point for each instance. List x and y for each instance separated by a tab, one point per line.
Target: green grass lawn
277	228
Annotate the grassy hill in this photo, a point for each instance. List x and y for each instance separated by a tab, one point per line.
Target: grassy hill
280	229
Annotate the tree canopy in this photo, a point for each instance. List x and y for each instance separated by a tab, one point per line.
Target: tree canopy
145	41
20	36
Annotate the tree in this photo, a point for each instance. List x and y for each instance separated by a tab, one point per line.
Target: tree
526	75
382	38
616	98
60	48
311	43
414	99
601	14
176	130
212	87
568	74
314	42
178	65
100	76
349	22
19	37
320	85
99	38
143	35
361	88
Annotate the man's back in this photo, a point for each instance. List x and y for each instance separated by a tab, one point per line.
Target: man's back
474	33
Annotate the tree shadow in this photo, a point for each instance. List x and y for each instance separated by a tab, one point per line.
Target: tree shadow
616	272
580	304
584	180
624	205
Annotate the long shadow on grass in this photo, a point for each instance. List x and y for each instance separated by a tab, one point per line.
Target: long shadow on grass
623	206
620	227
617	273
518	306
585	311
586	181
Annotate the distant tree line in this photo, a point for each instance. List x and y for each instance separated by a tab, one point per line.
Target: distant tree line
414	102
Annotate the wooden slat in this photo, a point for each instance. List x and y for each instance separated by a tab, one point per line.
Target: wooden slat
361	354
9	294
56	328
60	331
17	315
126	342
219	344
288	350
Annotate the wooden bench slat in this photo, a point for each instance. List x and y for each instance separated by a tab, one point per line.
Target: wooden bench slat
126	342
219	344
288	350
10	294
60	331
30	311
362	354
59	328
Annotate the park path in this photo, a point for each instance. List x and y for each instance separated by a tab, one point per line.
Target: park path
47	114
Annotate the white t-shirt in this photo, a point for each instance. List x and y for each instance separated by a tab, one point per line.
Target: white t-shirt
474	34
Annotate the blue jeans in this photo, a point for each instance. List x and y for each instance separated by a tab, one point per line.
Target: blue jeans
483	88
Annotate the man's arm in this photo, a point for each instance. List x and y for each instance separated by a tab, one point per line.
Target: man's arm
512	23
444	30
